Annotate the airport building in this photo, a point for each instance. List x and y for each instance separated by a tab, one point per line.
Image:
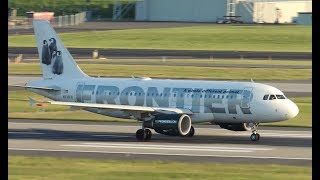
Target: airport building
247	11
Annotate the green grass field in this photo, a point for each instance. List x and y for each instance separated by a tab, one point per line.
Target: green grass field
203	61
181	72
214	37
18	107
20	167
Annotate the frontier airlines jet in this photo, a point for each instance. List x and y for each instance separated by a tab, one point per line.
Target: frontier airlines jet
169	107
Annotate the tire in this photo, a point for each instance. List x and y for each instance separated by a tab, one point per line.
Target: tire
191	132
148	134
258	137
140	135
253	137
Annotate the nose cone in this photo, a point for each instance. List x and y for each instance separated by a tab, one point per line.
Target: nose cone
293	110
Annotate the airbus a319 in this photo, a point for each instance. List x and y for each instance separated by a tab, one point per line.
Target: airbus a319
169	107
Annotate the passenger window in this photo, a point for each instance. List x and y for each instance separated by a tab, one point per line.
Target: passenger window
218	96
265	97
222	96
280	97
272	97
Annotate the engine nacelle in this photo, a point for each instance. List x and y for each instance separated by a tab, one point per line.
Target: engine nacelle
236	127
171	124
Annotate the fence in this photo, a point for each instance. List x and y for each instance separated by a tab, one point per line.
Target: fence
57	21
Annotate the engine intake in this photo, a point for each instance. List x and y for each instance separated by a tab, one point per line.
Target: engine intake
172	124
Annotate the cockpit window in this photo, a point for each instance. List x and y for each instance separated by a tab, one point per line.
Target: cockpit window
265	97
272	97
280	96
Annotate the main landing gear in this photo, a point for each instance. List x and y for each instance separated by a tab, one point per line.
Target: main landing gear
255	136
143	134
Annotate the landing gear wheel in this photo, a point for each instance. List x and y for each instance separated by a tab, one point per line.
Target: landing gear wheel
140	134
191	132
143	134
148	134
255	137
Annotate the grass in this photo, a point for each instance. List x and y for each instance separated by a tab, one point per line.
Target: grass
214	37
18	107
21	167
204	61
176	72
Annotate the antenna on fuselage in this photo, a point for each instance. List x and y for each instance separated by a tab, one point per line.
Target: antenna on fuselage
252	80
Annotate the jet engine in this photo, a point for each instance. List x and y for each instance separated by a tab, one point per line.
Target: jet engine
236	127
170	124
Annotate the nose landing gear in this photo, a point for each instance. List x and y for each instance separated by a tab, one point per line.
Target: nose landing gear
255	136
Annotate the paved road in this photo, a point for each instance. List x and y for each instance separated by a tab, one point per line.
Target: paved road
100	140
291	89
32	52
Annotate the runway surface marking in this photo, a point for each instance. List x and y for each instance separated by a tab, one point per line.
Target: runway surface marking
165	147
162	154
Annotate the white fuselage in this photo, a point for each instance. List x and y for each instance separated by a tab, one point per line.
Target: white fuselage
217	101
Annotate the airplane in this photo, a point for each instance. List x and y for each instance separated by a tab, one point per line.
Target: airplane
169	107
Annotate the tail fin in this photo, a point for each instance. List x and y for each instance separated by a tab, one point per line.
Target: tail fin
55	59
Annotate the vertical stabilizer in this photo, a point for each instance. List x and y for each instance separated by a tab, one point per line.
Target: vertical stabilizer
55	59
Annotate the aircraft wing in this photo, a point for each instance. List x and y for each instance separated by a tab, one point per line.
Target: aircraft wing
36	87
119	107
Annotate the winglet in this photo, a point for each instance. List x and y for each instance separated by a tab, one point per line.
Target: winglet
32	101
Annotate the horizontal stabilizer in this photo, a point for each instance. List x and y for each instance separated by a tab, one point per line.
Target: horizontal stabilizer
38	103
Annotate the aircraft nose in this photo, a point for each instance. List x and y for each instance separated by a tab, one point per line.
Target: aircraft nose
293	110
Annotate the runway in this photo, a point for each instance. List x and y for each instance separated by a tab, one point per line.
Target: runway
32	52
102	140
